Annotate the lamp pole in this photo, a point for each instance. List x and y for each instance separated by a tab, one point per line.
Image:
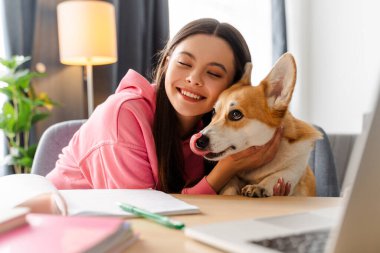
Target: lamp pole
90	90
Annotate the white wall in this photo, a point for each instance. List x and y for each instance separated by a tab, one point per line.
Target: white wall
337	48
251	17
336	45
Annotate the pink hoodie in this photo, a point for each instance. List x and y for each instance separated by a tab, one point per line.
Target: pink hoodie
115	147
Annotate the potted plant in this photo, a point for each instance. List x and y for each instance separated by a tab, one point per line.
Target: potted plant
21	110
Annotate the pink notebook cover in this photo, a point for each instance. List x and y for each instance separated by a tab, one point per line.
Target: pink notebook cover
52	233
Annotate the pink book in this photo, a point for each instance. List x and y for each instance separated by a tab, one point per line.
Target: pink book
53	233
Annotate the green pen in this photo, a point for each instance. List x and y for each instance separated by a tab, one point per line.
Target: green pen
163	220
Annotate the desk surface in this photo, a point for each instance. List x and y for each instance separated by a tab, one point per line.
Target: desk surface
157	238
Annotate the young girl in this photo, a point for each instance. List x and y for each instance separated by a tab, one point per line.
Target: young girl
139	137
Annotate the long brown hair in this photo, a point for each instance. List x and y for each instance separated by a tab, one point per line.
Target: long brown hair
166	126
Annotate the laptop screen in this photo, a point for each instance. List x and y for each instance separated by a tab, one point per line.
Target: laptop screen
360	226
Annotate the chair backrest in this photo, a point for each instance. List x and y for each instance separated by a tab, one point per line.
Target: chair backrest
52	141
322	163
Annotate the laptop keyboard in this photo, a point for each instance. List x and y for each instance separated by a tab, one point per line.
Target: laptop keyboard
310	242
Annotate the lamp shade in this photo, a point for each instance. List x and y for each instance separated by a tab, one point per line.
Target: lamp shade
86	32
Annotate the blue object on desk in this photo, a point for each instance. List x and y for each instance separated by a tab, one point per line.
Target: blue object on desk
163	220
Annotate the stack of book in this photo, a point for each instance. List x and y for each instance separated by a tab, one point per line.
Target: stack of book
55	233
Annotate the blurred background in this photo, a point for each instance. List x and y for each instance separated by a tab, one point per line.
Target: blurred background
335	43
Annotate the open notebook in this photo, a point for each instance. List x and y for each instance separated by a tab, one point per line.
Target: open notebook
34	190
353	228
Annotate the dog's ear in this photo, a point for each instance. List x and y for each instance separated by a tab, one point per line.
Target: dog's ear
280	82
246	78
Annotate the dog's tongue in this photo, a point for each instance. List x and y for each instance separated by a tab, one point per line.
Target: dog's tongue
193	146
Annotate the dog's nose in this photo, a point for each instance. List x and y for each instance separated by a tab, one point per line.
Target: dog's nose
202	142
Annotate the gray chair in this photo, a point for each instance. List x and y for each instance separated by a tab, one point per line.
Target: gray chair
342	146
52	141
322	163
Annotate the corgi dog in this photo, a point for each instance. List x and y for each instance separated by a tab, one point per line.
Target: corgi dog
248	116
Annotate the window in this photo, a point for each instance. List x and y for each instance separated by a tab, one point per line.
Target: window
3	53
2	31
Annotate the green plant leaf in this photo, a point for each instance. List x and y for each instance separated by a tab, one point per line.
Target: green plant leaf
31	151
7	91
14	62
24	78
24	161
39	116
8	119
23	122
44	101
9	80
9	64
23	109
20	59
24	157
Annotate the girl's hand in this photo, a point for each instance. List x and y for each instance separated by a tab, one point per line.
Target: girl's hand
281	188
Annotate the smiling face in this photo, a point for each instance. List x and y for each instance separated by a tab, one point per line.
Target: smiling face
199	69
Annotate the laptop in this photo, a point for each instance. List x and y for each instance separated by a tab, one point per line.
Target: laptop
353	227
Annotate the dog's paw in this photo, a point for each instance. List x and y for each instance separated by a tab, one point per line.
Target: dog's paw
255	191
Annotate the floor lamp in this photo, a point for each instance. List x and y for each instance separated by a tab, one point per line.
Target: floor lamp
87	37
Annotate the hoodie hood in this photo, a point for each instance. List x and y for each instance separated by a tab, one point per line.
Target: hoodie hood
135	83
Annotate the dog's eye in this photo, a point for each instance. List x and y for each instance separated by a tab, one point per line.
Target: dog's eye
235	115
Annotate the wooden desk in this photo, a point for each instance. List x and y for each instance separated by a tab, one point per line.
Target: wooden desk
157	238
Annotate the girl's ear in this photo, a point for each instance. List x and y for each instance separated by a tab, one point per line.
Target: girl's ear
166	61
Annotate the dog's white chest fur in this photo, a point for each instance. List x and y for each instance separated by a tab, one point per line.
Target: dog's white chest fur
289	163
290	156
